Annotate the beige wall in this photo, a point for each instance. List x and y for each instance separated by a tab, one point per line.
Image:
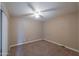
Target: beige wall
24	30
62	30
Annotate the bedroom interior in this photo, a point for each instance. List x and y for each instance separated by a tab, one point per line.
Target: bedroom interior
40	28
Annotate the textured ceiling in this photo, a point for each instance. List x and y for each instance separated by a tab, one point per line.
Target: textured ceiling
21	8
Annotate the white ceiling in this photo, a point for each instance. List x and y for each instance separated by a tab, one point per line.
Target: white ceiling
21	8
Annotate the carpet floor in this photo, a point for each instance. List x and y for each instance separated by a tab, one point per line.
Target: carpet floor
41	48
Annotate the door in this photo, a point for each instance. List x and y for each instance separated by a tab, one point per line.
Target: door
4	34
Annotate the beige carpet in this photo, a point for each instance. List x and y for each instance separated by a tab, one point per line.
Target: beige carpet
41	48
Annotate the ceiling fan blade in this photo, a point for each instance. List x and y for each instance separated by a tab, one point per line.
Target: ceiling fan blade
48	10
30	5
42	16
29	14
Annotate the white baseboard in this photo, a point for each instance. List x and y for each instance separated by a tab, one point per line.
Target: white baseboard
24	43
63	45
46	40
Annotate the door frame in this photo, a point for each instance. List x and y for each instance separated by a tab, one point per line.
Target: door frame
4	34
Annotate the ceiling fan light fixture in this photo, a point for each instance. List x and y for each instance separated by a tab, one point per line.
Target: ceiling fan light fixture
37	14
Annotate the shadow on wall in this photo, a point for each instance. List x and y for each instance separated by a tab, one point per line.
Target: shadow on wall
20	37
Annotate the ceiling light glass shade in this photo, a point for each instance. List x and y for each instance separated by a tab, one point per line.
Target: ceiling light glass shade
37	14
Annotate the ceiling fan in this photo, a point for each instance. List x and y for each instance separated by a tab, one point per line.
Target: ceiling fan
38	13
